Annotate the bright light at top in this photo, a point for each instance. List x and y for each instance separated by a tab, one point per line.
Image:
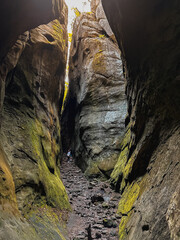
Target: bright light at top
81	5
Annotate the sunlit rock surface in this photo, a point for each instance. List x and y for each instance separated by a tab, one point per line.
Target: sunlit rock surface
173	214
96	98
148	170
33	75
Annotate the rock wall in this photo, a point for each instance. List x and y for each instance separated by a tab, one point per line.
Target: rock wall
96	98
33	74
148	170
19	16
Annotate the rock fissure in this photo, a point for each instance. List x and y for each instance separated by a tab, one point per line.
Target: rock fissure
28	156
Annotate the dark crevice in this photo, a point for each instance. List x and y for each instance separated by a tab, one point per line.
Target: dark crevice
28	156
118	183
57	140
142	160
49	37
42	95
39	188
58	159
12	102
105	173
68	124
42	189
51	170
89	232
37	84
127	121
28	103
145	227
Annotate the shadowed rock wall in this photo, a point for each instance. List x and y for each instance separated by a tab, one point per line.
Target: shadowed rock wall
33	75
18	16
96	98
147	172
30	122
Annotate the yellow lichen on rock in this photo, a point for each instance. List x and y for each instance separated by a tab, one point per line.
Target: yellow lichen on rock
99	62
118	170
122	227
122	164
48	171
54	188
126	203
7	188
42	215
59	35
128	198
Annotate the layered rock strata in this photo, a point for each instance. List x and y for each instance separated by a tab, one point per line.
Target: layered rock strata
94	117
33	74
148	170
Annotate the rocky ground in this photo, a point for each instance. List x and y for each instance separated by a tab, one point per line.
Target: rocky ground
94	205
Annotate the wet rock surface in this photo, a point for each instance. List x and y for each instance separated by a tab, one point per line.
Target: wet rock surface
94	205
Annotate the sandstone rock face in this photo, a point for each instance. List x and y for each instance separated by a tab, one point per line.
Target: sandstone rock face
33	75
97	9
19	16
34	92
173	214
96	98
147	172
8	197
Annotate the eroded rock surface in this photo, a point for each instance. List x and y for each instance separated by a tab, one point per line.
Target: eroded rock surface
33	100
147	172
32	77
173	214
96	98
19	16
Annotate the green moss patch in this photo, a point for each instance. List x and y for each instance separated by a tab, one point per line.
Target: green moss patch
45	150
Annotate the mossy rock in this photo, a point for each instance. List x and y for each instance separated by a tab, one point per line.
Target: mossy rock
49	223
125	208
48	171
129	196
7	187
123	166
101	168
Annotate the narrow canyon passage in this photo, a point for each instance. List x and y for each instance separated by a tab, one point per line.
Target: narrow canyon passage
94	205
117	112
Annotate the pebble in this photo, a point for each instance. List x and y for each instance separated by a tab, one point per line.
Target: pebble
94	204
98	235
